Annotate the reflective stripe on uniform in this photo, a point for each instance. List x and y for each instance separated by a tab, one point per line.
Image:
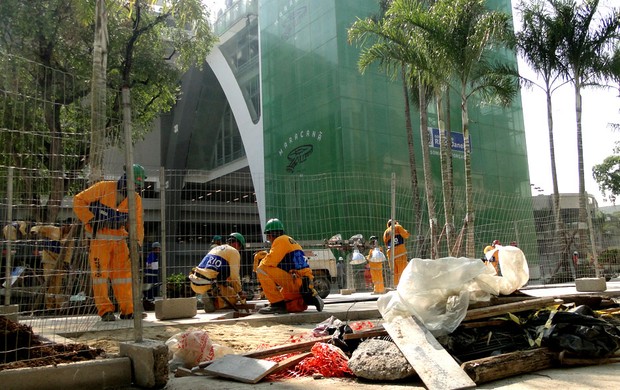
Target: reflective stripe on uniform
100	280
109	237
121	281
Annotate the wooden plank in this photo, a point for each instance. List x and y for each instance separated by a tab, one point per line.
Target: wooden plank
508	364
241	368
515	307
290	362
434	365
287	348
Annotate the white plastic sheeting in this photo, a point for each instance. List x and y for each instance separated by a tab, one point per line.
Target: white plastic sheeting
438	292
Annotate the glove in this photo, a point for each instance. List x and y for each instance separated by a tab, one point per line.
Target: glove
107	217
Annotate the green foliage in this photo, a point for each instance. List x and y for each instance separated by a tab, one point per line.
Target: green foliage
607	175
178	286
609	257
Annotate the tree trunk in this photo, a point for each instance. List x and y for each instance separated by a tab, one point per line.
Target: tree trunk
558	227
417	208
445	150
428	174
98	102
470	250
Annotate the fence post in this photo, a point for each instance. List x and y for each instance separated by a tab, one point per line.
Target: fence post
133	239
162	229
9	217
393	218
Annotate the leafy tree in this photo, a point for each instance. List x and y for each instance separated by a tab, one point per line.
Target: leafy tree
149	48
607	175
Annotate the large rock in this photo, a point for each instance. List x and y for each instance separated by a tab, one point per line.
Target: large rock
379	360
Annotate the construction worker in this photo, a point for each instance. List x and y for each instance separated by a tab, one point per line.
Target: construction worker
217	278
375	259
104	208
56	244
400	251
215	241
284	274
151	275
494	259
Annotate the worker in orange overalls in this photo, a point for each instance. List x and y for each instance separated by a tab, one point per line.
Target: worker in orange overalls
284	274
400	251
375	259
493	259
104	208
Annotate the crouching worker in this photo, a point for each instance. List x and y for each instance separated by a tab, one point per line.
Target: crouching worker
217	278
284	274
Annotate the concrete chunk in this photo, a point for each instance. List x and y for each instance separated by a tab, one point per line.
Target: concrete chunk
167	309
590	284
149	361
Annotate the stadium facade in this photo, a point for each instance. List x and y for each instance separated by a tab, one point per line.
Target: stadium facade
280	99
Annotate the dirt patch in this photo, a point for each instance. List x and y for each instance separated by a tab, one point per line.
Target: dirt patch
20	347
241	337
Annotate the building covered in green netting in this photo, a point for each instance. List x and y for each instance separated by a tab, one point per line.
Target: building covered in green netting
281	100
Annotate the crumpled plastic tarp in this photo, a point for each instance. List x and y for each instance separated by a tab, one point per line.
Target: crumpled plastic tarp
438	292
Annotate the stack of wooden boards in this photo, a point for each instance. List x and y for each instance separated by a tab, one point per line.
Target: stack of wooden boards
435	366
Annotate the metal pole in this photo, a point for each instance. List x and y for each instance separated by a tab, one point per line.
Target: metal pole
133	235
162	229
597	271
393	218
9	216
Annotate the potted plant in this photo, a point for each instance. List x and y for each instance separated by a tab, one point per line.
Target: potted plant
178	286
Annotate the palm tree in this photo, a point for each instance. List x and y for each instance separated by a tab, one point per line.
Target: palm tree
388	48
537	42
586	52
467	41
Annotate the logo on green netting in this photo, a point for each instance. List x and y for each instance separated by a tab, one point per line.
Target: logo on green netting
297	156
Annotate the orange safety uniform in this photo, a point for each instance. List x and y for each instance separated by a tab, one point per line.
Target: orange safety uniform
221	265
109	254
376	272
280	273
400	251
57	246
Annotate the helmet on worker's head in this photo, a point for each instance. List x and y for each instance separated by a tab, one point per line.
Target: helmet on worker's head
373	238
274	225
139	175
389	222
216	239
236	237
155	245
495	242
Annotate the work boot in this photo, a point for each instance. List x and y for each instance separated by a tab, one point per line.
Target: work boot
318	302
108	317
208	304
130	316
274	308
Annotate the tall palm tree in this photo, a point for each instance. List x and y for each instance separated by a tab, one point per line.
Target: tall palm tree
471	37
388	47
586	49
537	42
